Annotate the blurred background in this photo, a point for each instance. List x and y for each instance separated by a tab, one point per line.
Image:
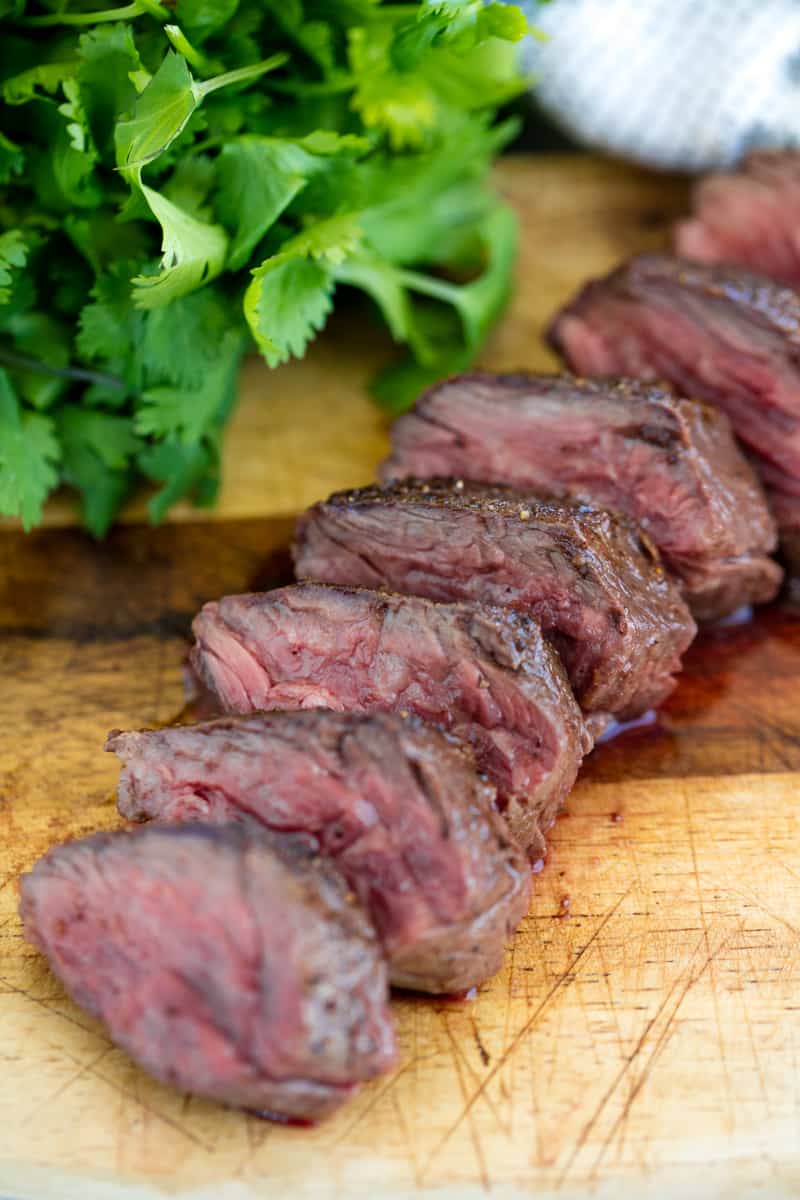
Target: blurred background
674	84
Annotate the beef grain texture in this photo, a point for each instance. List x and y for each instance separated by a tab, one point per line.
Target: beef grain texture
488	677
598	590
785	503
719	333
396	803
225	963
749	216
671	464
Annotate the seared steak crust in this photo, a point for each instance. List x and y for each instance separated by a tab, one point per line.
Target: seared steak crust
593	582
671	464
224	962
719	333
486	676
397	804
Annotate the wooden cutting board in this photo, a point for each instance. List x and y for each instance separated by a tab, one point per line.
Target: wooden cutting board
644	1037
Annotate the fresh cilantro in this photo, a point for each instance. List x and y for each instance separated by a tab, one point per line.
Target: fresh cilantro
400	104
184	181
187	411
184	469
287	304
193	252
179	343
19	89
441	342
202	18
158	116
110	437
259	177
109	63
13	255
40	337
29	451
12	159
291	294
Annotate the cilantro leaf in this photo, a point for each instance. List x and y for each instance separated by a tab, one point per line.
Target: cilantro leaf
314	38
190	183
289	299
12	159
29	451
179	343
483	77
193	252
397	103
13	256
104	242
460	25
97	449
188	411
183	469
106	330
259	177
108	59
166	104
40	336
286	304
77	122
332	239
19	89
159	115
103	491
204	17
110	437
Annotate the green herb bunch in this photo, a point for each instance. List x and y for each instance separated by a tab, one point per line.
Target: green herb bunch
181	180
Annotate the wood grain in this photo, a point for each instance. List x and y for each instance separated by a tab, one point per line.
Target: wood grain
645	1045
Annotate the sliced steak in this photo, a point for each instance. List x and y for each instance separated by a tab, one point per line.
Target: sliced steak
750	217
721	334
671	464
226	964
486	676
783	493
396	803
596	587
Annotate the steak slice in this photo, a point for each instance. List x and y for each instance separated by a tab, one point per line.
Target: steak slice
595	586
396	803
719	333
783	493
225	963
749	216
671	464
486	676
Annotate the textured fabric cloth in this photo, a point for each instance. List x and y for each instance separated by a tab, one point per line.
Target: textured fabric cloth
673	83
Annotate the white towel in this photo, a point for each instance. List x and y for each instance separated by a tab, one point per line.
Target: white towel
685	84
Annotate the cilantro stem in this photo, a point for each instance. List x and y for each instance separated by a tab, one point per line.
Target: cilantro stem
240	75
155	9
428	285
10	359
136	9
206	66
